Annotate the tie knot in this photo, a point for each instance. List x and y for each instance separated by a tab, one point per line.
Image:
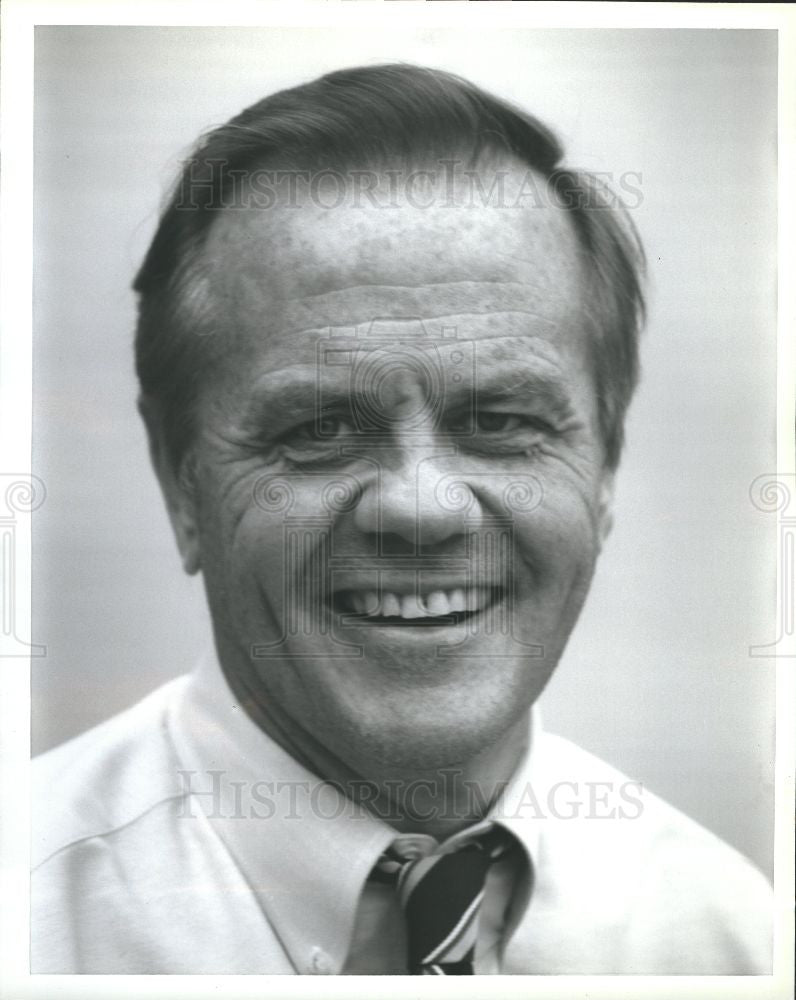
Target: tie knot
407	849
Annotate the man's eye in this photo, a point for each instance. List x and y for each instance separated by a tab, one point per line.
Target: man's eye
332	426
318	432
495	421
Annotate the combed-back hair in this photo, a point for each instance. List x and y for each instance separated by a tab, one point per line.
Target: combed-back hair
375	118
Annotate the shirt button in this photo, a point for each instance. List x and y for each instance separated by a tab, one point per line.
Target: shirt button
321	964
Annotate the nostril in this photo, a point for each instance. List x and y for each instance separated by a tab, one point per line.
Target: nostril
392	544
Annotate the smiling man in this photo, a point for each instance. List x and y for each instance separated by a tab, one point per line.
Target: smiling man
386	345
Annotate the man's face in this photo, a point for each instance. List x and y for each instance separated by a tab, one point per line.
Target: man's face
400	493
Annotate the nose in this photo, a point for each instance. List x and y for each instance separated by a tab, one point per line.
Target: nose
405	500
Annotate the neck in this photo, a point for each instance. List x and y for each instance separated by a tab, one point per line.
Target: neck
442	800
437	800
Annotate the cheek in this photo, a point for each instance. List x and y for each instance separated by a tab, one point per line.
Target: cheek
243	547
264	550
560	539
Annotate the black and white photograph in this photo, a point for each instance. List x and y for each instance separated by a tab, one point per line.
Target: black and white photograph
409	537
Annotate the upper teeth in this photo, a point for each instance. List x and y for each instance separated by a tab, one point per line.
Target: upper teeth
430	605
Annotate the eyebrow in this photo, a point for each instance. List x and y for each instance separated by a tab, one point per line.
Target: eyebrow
526	384
286	397
295	396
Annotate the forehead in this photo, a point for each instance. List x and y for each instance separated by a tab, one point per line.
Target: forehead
280	278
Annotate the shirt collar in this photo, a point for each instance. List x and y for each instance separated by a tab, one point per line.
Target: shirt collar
304	848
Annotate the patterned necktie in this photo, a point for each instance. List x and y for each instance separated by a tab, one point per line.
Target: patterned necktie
441	896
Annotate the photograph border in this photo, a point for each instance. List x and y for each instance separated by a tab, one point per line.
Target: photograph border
16	123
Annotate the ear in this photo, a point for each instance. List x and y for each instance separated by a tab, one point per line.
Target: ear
180	502
605	505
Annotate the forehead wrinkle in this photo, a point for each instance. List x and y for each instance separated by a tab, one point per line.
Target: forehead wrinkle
357	302
301	376
408	328
495	349
378	285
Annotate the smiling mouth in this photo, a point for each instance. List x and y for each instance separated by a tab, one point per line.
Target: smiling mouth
433	608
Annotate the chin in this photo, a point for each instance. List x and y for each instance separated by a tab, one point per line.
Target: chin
423	744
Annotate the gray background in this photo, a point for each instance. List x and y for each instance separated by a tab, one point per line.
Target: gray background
657	678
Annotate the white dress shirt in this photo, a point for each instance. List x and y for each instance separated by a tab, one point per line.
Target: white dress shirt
178	838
